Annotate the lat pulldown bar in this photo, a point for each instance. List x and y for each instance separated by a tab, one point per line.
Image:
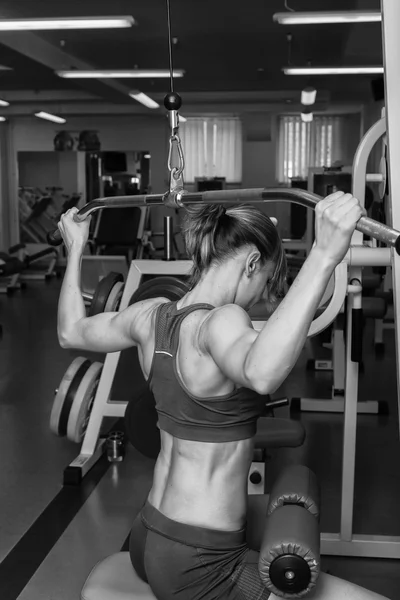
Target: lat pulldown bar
179	199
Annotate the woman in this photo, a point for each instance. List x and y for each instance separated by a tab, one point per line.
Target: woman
208	370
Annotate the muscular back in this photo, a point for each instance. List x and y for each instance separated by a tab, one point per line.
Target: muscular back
197	370
196	482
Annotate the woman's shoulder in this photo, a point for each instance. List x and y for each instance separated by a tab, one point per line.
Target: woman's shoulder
224	321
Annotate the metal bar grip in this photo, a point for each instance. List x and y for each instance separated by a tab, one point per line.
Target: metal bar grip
54	238
168	238
357	329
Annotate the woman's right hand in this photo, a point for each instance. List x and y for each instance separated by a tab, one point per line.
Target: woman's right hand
336	217
75	235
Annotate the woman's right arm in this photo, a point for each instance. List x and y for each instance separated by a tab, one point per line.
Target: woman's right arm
262	361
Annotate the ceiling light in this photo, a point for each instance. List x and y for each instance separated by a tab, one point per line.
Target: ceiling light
143	99
4	103
120	74
311	18
66	23
306	116
2	119
332	70
50	117
308	96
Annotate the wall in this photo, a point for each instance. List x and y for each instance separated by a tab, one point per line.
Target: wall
127	133
38	169
260	137
5	173
124	133
68	172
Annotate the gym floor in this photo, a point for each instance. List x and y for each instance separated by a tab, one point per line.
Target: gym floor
51	537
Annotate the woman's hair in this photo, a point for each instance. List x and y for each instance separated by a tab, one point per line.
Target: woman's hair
212	234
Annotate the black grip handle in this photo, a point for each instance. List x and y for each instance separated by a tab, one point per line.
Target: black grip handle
54	238
357	329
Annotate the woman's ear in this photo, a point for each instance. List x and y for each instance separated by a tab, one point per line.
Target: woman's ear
252	260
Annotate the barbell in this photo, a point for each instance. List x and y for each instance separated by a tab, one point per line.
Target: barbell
181	198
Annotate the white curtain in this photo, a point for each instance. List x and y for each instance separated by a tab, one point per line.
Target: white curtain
304	145
212	147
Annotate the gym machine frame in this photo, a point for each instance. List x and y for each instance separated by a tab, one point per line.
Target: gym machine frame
337	401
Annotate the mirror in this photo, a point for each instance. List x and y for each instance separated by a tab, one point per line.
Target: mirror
49	183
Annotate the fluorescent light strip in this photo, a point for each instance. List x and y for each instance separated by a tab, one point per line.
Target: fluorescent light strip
316	18
308	96
116	22
4	103
143	99
332	70
120	74
2	119
50	117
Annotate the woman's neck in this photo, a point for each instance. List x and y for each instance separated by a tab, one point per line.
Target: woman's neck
217	287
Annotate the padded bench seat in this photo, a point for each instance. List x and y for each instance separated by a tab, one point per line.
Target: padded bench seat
114	578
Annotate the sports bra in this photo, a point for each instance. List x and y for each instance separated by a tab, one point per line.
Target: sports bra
226	418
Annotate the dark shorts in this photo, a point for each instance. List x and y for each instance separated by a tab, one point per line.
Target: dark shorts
184	562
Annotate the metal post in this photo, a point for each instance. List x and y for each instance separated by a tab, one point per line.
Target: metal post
391	55
168	238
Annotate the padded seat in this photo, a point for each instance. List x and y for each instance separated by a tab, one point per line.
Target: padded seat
114	578
279	433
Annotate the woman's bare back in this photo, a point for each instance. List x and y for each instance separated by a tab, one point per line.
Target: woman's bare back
197	483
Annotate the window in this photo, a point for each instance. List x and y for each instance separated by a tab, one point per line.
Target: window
304	145
212	148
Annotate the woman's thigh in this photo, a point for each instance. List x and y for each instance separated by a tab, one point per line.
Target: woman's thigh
333	588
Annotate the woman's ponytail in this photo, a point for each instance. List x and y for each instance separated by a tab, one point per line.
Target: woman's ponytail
212	234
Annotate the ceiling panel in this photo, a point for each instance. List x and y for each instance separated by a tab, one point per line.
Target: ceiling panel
222	44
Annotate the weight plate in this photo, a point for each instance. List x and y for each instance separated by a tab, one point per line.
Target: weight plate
83	402
141	424
63	399
114	299
102	293
165	287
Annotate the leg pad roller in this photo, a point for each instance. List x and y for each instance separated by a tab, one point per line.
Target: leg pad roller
289	563
296	485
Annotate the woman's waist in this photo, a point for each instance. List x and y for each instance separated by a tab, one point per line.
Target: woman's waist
203	484
217	507
191	534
